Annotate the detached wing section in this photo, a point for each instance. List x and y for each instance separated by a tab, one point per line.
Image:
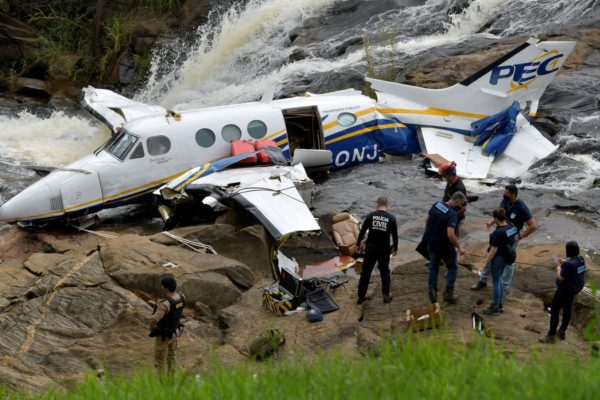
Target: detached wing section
277	204
471	162
527	147
270	193
113	109
492	153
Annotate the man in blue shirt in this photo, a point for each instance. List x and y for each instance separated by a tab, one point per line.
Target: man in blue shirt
518	214
570	280
443	243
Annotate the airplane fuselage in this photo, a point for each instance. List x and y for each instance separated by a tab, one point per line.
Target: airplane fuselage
150	151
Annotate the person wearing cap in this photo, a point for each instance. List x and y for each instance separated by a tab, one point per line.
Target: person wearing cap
570	280
453	184
382	242
518	215
165	325
443	243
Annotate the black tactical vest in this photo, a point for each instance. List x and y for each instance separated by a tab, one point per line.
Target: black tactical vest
169	324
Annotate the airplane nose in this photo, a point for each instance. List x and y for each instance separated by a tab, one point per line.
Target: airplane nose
35	202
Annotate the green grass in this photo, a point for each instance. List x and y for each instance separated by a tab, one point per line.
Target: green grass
403	369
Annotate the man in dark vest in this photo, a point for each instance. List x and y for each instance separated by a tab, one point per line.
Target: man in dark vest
165	324
382	242
442	243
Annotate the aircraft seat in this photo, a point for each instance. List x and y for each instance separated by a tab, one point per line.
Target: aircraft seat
345	233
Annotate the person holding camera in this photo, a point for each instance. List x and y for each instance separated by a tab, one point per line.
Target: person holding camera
570	280
501	253
165	325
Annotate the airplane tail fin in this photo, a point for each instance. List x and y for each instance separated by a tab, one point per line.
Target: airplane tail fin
523	74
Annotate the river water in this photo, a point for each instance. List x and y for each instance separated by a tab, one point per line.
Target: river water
245	47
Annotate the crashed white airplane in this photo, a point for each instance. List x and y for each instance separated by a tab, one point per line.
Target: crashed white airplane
476	123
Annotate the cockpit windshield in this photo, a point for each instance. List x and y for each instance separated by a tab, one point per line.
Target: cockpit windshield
121	145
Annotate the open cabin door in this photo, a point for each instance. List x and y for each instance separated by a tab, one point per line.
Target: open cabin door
305	136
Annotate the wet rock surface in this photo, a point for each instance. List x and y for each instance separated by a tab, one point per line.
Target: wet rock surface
68	313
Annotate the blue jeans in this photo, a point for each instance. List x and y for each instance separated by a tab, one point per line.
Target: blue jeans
507	275
497	267
449	257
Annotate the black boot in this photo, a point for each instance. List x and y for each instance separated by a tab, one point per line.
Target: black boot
433	297
479	285
449	296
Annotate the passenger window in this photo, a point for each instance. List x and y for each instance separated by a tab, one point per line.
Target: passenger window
158	145
229	133
205	137
257	129
346	119
138	152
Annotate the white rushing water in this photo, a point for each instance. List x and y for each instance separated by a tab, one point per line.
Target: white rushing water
241	51
236	55
232	56
54	141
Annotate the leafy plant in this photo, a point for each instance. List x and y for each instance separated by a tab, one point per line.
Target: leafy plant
117	35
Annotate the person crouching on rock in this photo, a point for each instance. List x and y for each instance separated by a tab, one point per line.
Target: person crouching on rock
570	280
165	324
501	253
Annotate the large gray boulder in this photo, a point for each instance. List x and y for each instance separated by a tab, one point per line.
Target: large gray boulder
252	246
138	264
76	321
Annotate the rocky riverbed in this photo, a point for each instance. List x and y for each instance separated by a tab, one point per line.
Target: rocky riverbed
74	303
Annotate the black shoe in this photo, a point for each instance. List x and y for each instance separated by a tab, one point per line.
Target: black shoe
361	300
387	298
433	297
562	335
491	310
479	285
547	339
500	308
449	296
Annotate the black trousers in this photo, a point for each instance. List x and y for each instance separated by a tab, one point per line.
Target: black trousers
562	300
382	258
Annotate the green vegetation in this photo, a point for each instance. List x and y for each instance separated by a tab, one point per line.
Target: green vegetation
162	5
79	41
432	368
117	34
382	63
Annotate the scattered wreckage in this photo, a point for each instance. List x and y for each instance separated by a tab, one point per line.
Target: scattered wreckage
478	123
